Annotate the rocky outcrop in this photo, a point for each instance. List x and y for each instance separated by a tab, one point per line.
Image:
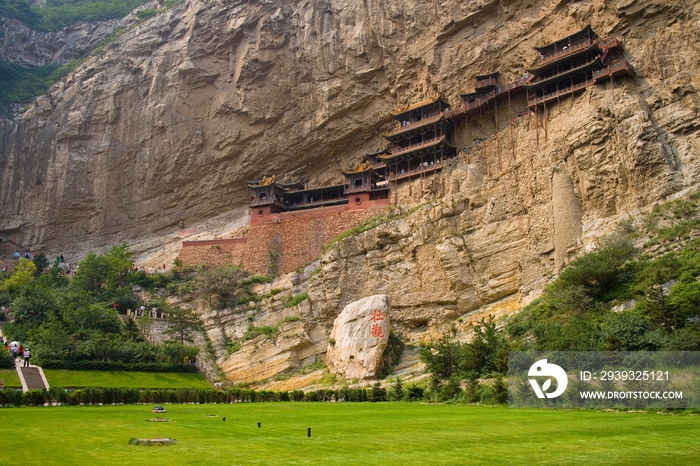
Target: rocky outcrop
359	337
298	344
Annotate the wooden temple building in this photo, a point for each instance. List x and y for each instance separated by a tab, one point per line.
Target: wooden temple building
423	134
420	140
569	65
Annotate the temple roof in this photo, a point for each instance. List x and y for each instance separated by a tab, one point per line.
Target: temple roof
424	103
264	181
357	168
481	77
565	40
537	68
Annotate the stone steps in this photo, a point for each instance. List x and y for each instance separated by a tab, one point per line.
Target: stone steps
33	379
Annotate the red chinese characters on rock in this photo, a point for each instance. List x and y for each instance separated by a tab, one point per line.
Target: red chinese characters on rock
377	330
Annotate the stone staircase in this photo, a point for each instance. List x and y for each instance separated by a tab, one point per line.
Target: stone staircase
32	378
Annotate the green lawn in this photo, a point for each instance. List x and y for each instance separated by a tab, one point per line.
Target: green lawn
346	434
124	379
11	377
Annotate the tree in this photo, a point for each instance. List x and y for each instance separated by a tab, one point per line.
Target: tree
92	317
487	352
34	303
41	262
182	324
103	274
24	274
441	358
219	281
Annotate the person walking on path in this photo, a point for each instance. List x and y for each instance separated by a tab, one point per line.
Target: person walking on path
27	355
21	352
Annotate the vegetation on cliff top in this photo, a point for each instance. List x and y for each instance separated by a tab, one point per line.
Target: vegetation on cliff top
57	14
20	84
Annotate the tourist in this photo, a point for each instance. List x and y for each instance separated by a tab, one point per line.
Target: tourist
27	355
13	349
20	351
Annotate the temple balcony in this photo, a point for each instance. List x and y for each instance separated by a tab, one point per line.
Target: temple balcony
430	168
485	100
564	52
621	68
402	127
534	101
264	202
318	203
588	66
417	147
486	82
361	189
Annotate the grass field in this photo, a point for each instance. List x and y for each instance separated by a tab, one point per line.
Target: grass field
11	378
124	379
403	434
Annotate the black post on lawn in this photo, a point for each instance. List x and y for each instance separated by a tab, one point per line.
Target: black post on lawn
259	424
308	432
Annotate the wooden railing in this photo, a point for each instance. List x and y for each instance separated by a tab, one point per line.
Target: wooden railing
534	100
315	203
490	81
259	202
557	54
413	147
401	127
415	171
608	70
481	100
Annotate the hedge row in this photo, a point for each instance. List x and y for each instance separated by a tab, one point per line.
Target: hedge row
11	397
87	365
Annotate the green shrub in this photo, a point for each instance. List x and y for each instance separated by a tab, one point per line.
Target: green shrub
296	299
257	279
6	361
254	332
146	13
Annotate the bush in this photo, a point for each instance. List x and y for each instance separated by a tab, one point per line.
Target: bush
6	361
598	271
254	332
297	299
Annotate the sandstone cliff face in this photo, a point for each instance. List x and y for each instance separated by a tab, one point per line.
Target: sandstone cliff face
167	124
161	131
